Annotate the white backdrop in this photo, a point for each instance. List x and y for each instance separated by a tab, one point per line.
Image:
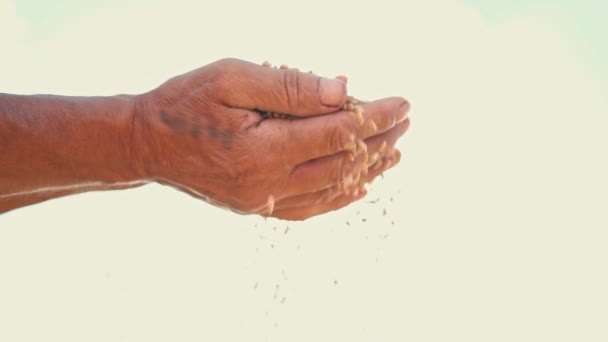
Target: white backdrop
496	217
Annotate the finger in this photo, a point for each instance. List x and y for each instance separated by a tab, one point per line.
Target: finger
307	205
379	145
311	199
304	212
288	91
342	78
342	168
319	136
388	161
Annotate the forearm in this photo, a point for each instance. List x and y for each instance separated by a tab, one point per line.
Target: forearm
52	146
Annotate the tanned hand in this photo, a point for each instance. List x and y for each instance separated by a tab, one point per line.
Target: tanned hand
205	133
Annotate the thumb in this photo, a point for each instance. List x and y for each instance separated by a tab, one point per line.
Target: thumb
285	91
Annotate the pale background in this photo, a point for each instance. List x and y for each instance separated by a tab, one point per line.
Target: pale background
499	204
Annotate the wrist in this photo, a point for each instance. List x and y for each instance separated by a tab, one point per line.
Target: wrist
142	149
107	136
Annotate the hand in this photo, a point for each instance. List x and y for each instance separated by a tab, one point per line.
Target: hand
203	133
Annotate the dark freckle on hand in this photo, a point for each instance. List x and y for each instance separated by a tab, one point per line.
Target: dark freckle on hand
177	124
225	137
195	132
213	132
164	116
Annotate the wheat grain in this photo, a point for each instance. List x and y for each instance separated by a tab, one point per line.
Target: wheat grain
382	147
374	158
359	114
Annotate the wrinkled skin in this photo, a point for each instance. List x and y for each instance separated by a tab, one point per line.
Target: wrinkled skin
202	133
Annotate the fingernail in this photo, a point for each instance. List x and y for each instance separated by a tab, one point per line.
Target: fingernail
342	78
331	92
402	112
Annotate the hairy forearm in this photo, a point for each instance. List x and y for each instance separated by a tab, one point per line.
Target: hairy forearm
52	146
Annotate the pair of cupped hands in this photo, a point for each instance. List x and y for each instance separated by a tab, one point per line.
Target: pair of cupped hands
204	133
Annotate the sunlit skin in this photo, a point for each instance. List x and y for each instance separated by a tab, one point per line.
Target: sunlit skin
203	133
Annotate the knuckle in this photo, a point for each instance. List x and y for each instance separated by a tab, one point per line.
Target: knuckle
333	139
219	84
223	71
227	63
291	88
338	171
340	136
